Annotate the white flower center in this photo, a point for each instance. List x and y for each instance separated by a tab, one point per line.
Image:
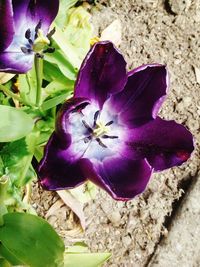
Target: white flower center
95	134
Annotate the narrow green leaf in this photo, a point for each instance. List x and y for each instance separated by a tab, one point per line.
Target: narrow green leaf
62	63
32	240
14	124
27	86
67	48
85	259
79	255
54	101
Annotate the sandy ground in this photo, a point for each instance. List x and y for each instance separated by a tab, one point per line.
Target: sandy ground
153	31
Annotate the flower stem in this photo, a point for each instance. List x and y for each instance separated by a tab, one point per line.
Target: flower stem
10	93
39	73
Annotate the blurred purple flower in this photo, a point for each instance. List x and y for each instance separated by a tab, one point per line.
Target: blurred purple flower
24	26
109	132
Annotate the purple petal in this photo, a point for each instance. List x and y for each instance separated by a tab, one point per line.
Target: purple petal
143	95
122	178
62	165
15	62
164	143
103	72
60	168
70	106
6	24
28	13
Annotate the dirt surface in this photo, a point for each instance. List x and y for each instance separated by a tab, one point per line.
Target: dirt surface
153	31
182	246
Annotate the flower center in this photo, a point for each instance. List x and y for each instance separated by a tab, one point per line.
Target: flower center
38	43
95	134
100	129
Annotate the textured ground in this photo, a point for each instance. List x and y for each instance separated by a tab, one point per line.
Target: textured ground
137	231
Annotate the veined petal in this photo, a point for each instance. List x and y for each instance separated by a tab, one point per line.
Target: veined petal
72	105
60	168
122	178
103	72
6	24
142	96
164	143
15	62
28	13
62	165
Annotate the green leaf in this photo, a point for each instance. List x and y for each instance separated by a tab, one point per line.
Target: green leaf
85	259
79	255
31	240
17	156
59	59
14	124
4	263
8	255
85	192
79	30
54	101
62	13
67	48
27	86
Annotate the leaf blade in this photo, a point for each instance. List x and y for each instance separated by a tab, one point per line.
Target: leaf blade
14	124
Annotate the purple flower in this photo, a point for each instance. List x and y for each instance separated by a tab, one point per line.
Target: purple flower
109	132
24	25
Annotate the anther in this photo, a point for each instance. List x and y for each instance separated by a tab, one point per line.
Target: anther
87	139
101	143
87	126
26	50
96	114
51	33
28	34
38	26
38	55
109	123
49	50
105	136
30	41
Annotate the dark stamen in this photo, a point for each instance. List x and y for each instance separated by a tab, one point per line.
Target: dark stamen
38	26
49	50
28	34
105	136
51	33
87	139
30	41
96	114
39	55
87	126
26	50
101	143
109	123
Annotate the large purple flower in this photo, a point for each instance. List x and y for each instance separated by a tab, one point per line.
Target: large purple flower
109	132
24	25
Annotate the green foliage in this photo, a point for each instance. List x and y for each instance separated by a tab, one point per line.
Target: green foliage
27	87
31	240
26	239
16	159
78	255
14	124
62	14
79	31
